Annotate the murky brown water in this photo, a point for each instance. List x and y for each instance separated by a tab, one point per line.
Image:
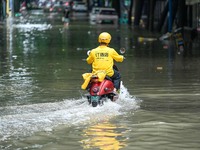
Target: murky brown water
42	106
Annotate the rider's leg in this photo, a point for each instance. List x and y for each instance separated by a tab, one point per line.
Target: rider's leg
116	79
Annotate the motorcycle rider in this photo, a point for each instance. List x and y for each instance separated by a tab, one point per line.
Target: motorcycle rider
103	57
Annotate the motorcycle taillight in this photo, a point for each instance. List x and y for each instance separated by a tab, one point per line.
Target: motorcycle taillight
95	89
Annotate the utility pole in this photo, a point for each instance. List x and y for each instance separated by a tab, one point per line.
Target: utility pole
170	16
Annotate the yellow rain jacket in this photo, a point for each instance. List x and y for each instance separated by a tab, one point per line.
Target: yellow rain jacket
102	58
87	76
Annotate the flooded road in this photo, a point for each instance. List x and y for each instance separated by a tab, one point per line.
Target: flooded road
42	106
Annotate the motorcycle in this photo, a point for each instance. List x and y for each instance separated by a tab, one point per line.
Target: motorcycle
179	41
23	11
99	92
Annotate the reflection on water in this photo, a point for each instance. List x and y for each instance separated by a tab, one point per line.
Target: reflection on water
105	136
16	75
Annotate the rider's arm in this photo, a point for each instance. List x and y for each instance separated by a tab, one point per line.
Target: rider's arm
117	57
90	58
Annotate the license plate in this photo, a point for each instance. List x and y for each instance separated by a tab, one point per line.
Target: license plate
94	98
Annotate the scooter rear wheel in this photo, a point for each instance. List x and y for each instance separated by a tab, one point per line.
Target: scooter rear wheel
94	104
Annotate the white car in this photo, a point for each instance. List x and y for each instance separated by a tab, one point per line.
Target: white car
79	11
103	15
93	13
79	7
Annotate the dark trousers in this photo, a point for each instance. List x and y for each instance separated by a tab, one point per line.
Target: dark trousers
116	78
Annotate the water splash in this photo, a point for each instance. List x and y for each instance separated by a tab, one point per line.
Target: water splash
30	27
28	119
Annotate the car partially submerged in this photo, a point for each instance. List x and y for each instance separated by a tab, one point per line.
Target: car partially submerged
103	15
79	6
79	10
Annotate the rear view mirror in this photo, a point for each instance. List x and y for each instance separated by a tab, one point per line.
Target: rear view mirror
122	50
88	52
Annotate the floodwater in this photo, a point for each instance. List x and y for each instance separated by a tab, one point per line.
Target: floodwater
42	106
